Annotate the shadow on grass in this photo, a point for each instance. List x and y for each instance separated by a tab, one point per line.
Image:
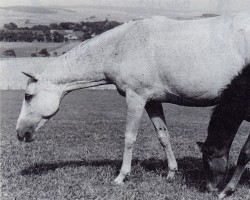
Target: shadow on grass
190	169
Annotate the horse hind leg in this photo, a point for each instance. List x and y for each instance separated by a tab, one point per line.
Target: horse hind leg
243	159
135	108
155	112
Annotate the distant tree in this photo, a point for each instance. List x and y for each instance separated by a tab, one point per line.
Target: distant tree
24	28
10	36
63	52
67	25
55	26
47	35
86	36
44	53
57	37
55	53
40	38
33	55
2	35
26	36
77	27
10	52
40	27
10	26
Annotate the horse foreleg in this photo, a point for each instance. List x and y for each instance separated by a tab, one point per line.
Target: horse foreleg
156	114
243	159
135	107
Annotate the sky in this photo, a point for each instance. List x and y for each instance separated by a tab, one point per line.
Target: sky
169	4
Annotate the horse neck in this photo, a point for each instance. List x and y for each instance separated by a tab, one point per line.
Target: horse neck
75	70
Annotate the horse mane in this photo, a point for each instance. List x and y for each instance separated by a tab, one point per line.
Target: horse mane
232	109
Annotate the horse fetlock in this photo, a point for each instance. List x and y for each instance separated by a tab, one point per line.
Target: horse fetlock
120	178
171	174
172	166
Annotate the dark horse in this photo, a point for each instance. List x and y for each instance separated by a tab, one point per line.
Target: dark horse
226	118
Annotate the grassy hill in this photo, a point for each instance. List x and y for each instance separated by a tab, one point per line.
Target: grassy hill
29	16
28	9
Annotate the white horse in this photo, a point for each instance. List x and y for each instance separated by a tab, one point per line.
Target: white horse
150	61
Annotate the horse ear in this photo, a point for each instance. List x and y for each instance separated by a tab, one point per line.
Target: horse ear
30	75
201	146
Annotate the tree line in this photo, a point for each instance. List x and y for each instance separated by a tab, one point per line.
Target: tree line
44	33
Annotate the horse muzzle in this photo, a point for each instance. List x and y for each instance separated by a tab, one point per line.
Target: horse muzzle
25	137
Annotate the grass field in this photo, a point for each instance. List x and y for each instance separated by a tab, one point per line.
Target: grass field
25	49
11	68
79	153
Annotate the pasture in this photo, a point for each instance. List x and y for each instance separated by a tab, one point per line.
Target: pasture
10	70
25	49
79	152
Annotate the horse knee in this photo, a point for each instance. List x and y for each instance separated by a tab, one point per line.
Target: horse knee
129	140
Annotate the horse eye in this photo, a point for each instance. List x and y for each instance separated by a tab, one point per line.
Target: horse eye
28	97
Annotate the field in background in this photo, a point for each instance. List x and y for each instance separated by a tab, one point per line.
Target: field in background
29	16
25	49
65	47
79	153
10	71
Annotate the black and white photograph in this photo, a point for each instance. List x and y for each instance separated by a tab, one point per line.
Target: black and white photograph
124	100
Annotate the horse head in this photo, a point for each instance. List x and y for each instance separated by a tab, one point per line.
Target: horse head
215	165
41	102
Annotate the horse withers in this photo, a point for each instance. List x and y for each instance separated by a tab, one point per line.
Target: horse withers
150	61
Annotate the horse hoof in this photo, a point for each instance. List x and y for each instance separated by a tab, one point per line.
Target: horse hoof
170	175
119	180
222	195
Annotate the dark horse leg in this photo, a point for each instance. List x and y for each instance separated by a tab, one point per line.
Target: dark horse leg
222	129
155	112
243	159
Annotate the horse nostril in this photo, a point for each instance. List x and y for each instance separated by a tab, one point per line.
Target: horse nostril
28	137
